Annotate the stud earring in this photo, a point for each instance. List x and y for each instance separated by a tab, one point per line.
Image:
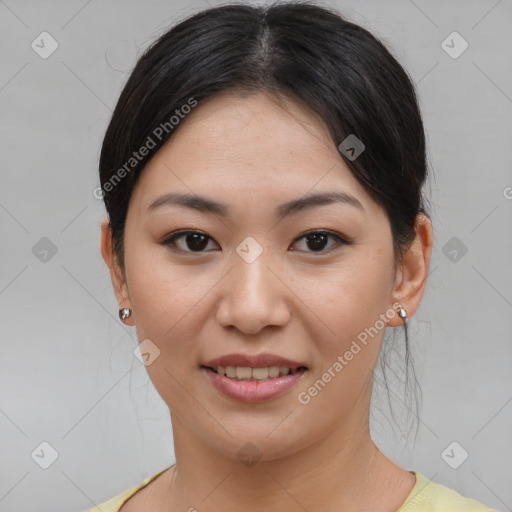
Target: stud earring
402	313
124	313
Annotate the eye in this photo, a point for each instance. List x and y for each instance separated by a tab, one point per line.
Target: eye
317	240
194	240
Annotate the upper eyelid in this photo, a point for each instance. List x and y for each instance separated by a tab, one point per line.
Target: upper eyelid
323	231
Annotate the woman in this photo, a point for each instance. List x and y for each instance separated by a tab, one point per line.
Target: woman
278	227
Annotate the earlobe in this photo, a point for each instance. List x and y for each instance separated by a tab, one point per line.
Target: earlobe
116	274
412	276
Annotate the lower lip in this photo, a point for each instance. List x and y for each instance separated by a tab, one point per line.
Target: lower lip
253	391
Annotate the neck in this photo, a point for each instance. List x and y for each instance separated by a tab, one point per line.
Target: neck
342	469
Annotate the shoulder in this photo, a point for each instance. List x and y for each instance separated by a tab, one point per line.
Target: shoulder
115	503
429	496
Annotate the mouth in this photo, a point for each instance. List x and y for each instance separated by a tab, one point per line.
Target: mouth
253	378
253	384
255	374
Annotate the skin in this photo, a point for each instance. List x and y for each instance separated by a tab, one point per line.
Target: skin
255	154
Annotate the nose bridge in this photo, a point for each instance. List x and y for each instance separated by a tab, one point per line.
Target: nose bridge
251	273
253	298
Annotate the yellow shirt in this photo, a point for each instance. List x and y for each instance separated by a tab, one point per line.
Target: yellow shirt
426	496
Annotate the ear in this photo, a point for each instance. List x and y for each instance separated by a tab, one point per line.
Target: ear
411	277
116	274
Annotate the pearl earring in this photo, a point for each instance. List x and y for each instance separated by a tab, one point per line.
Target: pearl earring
124	313
402	313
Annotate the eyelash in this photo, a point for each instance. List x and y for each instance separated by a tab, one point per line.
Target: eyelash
340	241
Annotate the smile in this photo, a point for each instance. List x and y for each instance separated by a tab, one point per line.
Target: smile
253	385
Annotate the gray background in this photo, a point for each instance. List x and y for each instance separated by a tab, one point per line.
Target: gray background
68	373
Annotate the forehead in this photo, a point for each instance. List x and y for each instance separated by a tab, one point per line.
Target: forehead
249	149
253	129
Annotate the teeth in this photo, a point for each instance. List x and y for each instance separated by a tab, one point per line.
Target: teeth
247	373
231	371
259	373
273	371
243	372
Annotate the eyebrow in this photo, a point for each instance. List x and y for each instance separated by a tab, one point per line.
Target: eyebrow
207	205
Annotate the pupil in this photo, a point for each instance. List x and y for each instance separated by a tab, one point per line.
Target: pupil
199	241
318	240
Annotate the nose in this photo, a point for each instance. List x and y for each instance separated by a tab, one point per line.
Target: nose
254	296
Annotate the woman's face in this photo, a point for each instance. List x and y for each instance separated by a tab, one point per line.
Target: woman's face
254	283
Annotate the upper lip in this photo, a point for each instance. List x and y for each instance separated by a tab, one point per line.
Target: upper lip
253	361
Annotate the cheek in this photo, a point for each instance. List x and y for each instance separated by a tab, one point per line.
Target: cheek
350	305
167	302
349	301
166	299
